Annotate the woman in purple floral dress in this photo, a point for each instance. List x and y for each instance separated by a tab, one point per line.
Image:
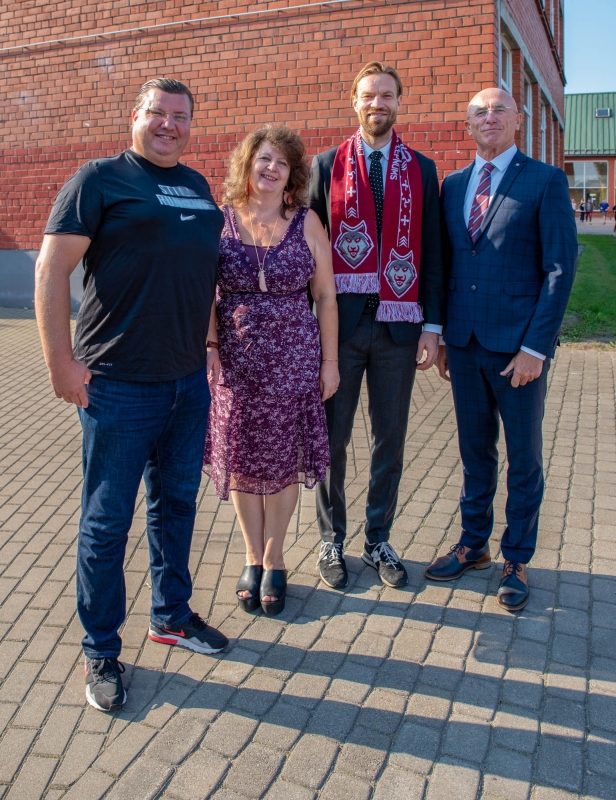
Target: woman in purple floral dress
271	362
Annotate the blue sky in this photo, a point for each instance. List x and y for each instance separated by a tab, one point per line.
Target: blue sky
590	46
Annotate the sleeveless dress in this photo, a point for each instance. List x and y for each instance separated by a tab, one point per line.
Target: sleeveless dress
266	427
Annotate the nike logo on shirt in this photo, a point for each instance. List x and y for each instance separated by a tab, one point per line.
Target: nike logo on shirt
185	219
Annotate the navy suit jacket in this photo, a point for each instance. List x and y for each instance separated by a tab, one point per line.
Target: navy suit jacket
431	274
511	287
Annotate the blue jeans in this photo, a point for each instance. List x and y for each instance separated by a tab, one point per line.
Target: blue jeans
130	430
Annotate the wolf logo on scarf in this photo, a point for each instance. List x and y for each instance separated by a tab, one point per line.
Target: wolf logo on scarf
400	272
353	243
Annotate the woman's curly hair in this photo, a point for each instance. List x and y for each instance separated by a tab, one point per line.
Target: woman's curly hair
287	142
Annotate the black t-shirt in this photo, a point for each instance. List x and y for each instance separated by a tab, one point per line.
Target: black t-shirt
150	271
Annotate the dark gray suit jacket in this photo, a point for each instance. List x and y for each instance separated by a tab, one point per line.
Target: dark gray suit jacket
431	274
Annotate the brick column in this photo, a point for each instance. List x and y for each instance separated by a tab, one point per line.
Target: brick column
517	90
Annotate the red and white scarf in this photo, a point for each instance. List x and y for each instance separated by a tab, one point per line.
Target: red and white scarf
358	266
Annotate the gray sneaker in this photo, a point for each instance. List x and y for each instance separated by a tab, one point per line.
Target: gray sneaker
382	557
331	565
104	689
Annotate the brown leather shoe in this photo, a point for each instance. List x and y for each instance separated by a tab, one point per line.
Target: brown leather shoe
513	593
457	561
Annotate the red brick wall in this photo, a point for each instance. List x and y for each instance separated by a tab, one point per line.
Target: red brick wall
526	16
71	102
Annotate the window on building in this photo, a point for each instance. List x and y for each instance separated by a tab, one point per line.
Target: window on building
505	67
552	141
544	134
528	118
587	181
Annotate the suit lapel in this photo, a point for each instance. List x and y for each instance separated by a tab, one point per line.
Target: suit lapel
464	178
517	164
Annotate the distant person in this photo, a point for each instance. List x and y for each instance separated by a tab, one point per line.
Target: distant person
604	209
589	211
614	216
278	362
148	231
511	248
582	210
379	201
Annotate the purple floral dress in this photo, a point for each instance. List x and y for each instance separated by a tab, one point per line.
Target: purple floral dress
266	426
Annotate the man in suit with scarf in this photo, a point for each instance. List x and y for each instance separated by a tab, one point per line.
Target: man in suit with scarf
379	202
511	247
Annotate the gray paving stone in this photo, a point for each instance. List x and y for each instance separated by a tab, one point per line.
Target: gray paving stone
310	760
283	790
80	755
508	774
341	787
394	784
601	747
230	733
178	738
560	764
363	754
33	779
466	738
124	749
13	748
451	779
144	779
415	748
253	770
198	776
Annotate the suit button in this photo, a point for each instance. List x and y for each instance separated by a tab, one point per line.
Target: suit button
473	288
473	252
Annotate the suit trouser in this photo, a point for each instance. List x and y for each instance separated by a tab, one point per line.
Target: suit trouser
480	395
390	373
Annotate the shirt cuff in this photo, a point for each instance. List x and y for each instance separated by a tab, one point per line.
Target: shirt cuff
433	329
532	353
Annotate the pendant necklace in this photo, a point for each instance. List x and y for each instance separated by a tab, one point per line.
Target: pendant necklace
262	284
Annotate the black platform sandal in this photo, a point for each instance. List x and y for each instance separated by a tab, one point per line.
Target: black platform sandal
249	581
273	584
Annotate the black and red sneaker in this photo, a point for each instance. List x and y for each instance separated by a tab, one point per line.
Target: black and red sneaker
194	634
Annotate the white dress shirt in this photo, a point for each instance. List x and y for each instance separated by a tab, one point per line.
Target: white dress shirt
500	164
384	162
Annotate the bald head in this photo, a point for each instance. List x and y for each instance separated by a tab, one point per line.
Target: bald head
492	96
492	121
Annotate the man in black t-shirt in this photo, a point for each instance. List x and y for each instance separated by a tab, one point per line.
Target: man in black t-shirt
147	229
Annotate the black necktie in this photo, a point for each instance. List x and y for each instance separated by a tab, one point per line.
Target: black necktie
376	184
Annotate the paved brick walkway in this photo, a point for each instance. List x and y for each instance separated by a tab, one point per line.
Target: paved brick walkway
432	692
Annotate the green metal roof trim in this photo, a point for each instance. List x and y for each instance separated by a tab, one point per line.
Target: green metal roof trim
584	133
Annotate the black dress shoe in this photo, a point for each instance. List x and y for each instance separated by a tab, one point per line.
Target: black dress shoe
513	594
382	557
448	567
250	581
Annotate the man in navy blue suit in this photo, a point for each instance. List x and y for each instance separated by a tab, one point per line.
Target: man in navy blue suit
511	246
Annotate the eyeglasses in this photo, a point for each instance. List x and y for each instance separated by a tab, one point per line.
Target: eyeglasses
158	113
480	112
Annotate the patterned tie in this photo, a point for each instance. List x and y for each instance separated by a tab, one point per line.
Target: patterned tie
376	184
480	203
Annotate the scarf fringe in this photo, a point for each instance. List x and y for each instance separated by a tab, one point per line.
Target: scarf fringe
394	311
358	283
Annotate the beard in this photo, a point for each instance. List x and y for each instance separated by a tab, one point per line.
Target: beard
375	128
